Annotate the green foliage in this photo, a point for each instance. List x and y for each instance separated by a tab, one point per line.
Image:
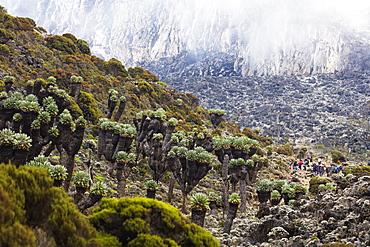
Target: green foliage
151	184
302	153
151	217
81	178
337	156
89	107
146	240
53	131
31	202
63	44
265	185
278	184
22	141
122	156
275	195
234	198
315	182
58	172
286	149
357	171
140	73
217	112
83	46
199	201
100	188
115	68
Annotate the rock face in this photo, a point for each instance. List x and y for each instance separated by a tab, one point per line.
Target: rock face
331	109
330	218
214	37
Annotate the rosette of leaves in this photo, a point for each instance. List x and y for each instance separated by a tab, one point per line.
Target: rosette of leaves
121	156
76	79
182	152
52	109
81	122
233	163
265	185
158	136
81	179
32	98
212	196
6	137
151	184
122	98
35	124
51	80
39	161
184	142
100	188
178	102
192	155
249	162
22	141
160	113
240	162
299	188
217	112
3	95
54	131
58	172
47	101
171	154
29	83
44	117
256	158
65	117
61	93
321	187
9	103
199	201
9	79
205	157
172	121
17	117
291	203
174	139
286	189
128	131
234	198
114	98
278	184
275	195
113	92
217	142
200	135
107	125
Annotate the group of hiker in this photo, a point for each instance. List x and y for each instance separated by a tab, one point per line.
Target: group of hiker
318	169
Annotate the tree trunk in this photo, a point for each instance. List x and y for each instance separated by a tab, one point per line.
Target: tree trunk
20	157
231	214
213	207
90	201
171	187
243	196
184	197
120	110
198	216
225	184
150	193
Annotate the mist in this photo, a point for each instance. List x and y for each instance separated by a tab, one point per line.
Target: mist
268	35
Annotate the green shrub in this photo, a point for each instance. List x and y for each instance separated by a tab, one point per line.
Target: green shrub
315	182
33	203
151	217
357	171
337	157
285	149
63	44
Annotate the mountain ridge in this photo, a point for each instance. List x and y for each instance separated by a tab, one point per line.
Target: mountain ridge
262	38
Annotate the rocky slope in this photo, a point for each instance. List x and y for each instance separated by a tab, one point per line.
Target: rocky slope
327	109
214	37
